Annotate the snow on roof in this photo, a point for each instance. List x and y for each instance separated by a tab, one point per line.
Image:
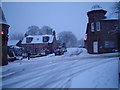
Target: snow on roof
4	23
2	17
14	46
96	8
110	19
38	39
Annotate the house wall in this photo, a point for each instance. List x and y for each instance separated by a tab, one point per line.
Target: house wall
54	44
34	48
108	34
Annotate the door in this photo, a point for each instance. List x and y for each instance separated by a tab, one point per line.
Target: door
95	46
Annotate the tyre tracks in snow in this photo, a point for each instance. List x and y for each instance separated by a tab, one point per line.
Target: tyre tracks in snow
55	73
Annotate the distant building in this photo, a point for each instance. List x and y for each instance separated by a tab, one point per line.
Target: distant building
34	44
3	37
101	32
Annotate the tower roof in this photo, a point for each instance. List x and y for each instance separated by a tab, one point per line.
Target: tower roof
2	17
96	7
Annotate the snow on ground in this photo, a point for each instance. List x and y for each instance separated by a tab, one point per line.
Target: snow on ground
73	51
98	77
75	69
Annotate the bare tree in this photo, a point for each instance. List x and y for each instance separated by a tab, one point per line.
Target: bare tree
46	30
116	7
80	43
16	36
33	30
68	38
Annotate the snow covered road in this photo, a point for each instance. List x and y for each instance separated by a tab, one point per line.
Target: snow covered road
56	71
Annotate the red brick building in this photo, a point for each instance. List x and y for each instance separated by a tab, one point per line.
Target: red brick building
101	32
34	44
3	37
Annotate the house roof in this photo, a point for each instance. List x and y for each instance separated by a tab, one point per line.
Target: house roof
96	8
38	39
2	17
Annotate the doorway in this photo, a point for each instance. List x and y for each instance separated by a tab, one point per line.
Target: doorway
95	46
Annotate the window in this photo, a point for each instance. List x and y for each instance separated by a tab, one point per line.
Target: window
97	26
37	38
29	39
92	27
45	39
106	44
109	44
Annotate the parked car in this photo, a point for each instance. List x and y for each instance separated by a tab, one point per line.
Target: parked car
11	57
44	52
15	53
60	51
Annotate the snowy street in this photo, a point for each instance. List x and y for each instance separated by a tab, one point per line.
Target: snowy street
59	44
75	69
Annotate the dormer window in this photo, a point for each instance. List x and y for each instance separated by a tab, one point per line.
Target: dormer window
92	27
29	39
97	26
45	39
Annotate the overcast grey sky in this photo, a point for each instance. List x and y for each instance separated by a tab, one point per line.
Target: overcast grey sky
61	16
